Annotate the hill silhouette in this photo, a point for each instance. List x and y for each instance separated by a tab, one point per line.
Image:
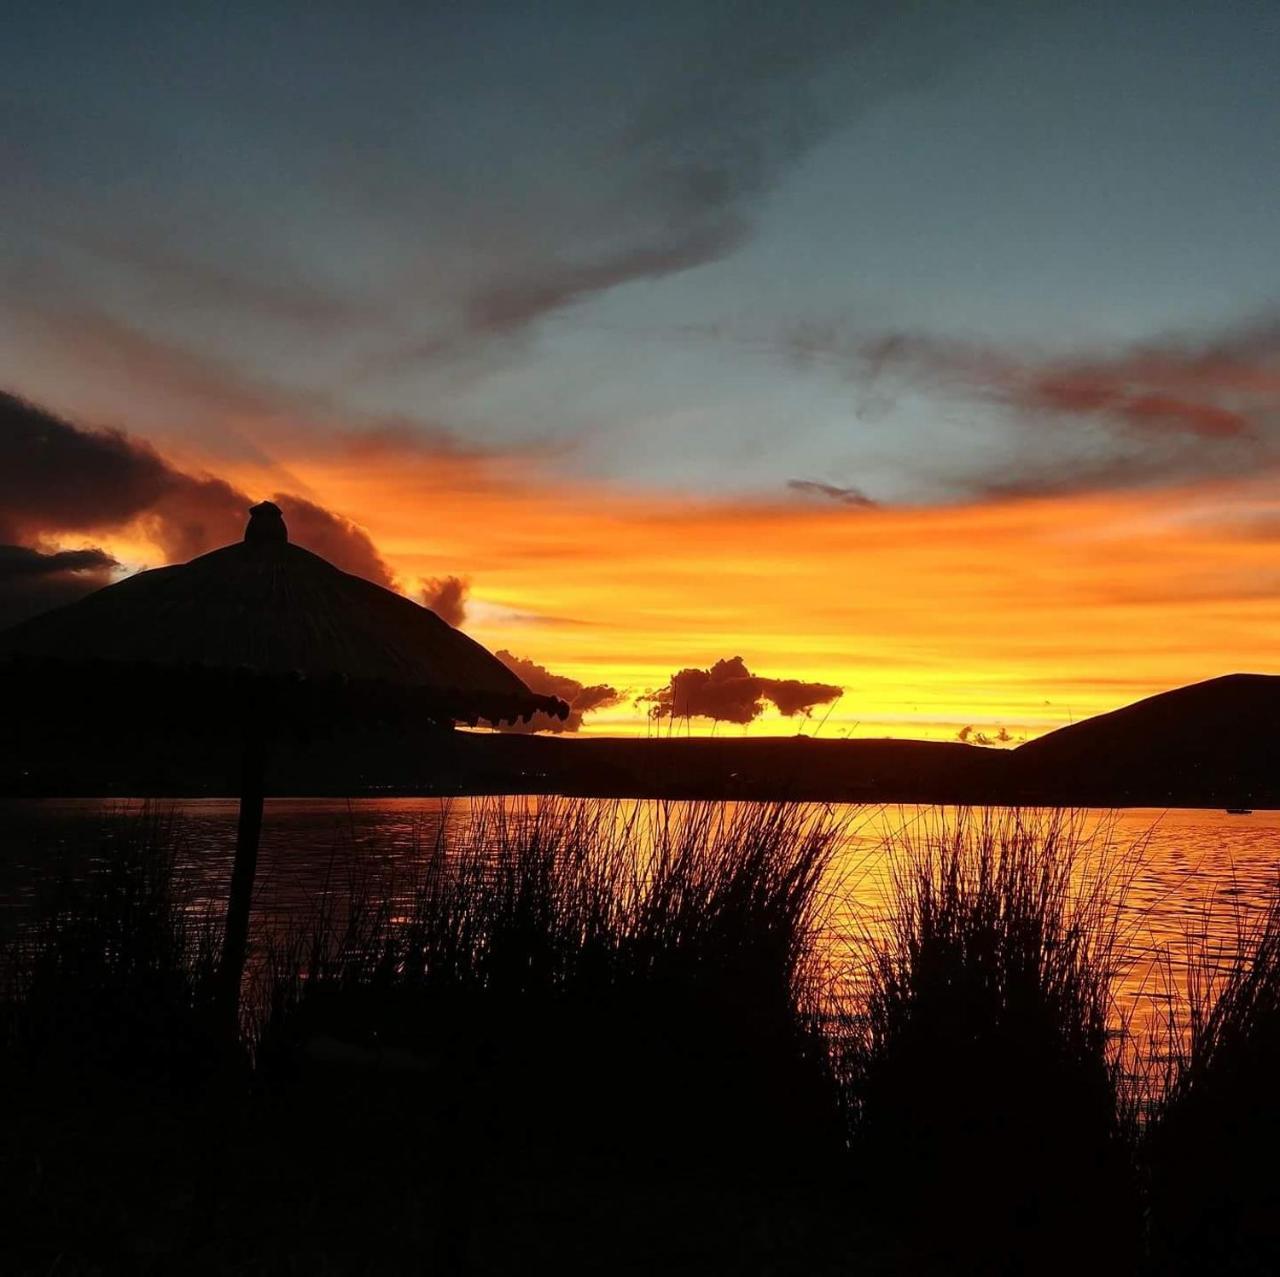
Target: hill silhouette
1210	744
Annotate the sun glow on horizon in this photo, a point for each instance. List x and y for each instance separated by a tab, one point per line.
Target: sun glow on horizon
1021	615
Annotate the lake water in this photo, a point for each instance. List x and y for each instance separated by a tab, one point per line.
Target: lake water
1192	867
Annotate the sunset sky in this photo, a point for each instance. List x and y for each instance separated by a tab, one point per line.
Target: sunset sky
928	351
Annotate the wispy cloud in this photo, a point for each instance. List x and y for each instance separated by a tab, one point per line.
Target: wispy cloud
840	494
696	130
1225	387
1168	409
211	389
511	306
174	273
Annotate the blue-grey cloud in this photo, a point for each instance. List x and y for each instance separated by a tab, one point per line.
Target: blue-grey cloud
549	157
1166	409
841	494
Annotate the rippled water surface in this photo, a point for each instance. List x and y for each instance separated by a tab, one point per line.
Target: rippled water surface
1190	864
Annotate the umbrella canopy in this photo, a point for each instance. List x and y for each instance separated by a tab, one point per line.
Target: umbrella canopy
258	639
264	607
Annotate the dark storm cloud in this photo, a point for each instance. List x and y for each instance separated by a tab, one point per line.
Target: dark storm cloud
58	478
55	477
18	562
446	596
32	581
840	494
729	693
580	699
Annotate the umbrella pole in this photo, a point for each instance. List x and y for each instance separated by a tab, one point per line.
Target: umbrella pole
235	937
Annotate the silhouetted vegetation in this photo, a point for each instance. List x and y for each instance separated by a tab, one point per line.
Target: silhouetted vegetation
984	1080
561	962
594	1036
575	1038
1215	1190
114	974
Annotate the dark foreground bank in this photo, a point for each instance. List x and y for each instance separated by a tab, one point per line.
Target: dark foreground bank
582	1041
1208	745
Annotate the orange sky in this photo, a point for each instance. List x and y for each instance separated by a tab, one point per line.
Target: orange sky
675	334
1024	614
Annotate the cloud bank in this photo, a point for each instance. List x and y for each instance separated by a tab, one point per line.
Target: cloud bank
59	480
729	692
1164	410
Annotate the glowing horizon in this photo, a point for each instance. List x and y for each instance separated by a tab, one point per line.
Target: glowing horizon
1015	614
934	359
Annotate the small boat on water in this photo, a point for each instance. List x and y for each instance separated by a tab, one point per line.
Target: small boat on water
1239	811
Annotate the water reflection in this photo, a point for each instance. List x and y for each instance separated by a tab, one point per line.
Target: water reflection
1195	870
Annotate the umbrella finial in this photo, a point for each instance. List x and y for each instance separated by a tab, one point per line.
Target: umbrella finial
266	525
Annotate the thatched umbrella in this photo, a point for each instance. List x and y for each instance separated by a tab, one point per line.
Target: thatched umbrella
259	639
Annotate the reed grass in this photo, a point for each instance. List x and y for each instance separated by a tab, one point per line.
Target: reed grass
985	1083
617	979
113	973
615	993
1211	1144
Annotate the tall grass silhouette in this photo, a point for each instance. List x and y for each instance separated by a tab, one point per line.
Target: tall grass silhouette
1212	1140
114	976
985	1084
613	1000
616	979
